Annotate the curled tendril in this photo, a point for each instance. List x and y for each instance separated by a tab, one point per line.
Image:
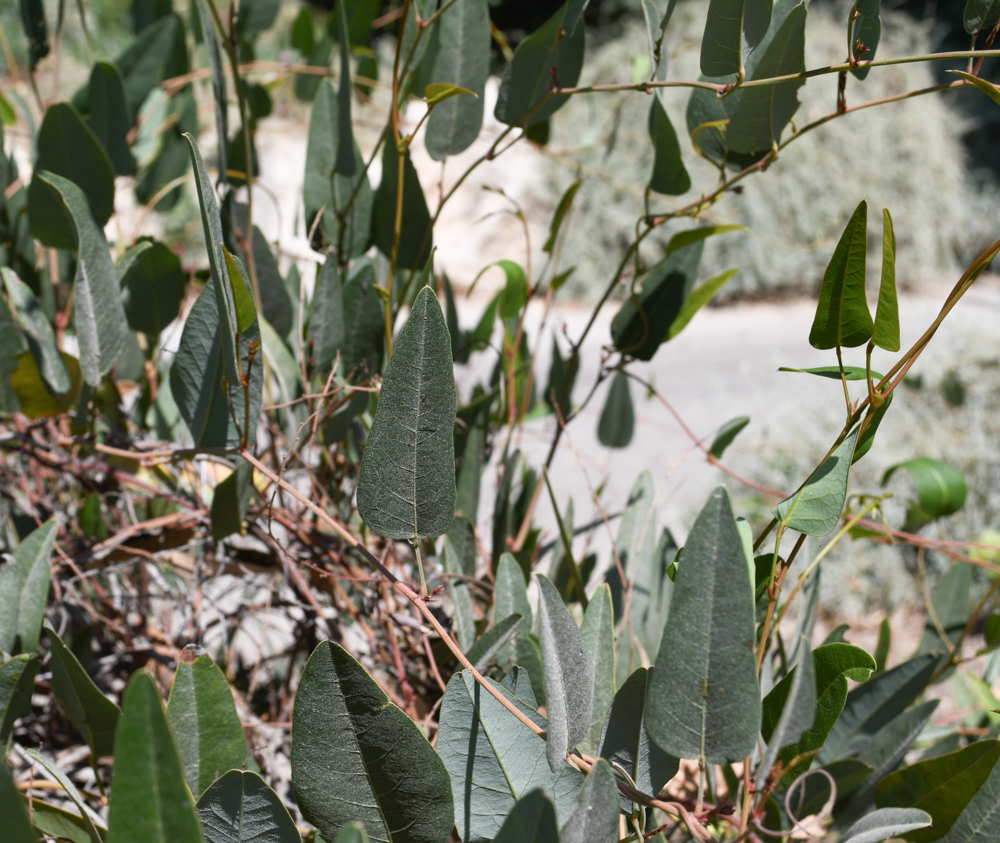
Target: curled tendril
798	788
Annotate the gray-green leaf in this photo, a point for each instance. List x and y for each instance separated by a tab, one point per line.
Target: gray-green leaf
24	591
596	815
407	483
704	700
598	633
241	808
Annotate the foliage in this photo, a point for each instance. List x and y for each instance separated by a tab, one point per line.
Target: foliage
316	430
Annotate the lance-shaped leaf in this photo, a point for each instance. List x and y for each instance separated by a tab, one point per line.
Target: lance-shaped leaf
461	600
150	802
885	823
67	147
24	591
531	820
327	326
598	633
834	664
942	786
86	815
733	29
980	821
490	642
364	323
670	176
867	437
562	209
31	392
872	705
842	317
87	708
885	333
208	729
17	826
704	700
327	190
510	596
407	483
17	681
617	422
763	113
218	83
980	15
641	325
596	815
98	315
865	34
569	675
815	509
58	823
356	756
797	716
493	758
207	398
159	52
697	300
416	239
727	434
241	808
462	59
109	117
635	549
552	53
12	346
625	740
951	612
35	30
352	833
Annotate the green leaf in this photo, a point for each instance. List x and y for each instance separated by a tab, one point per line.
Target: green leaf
35	30
554	51
727	433
356	756
697	300
798	715
327	326
703	700
885	333
256	16
598	633
816	508
833	665
885	823
241	808
206	396
941	490
59	824
352	833
327	190
531	820
617	422
12	346
510	596
155	284
17	682
492	640
980	15
364	323
34	396
17	826
87	708
71	791
842	317
625	739
865	32
596	815
109	117
150	803
211	41
733	29
440	91
208	729
159	52
562	209
246	313
642	324
851	373
8	116
942	786
762	113
696	235
407	483
24	590
569	675
67	147
872	705
307	85
562	377
980	821
669	176
416	238
464	618
514	295
98	315
494	759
